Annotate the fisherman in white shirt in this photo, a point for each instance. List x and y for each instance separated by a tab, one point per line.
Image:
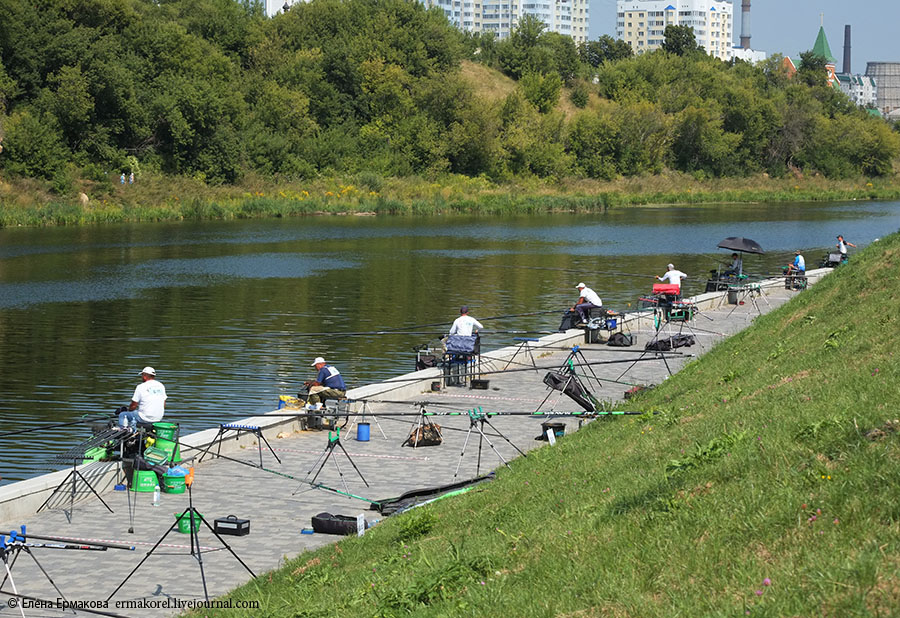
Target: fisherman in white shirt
465	324
673	276
148	402
588	299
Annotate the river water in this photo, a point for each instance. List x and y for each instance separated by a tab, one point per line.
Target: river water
232	313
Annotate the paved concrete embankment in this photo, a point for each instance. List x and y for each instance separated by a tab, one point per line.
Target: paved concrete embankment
279	507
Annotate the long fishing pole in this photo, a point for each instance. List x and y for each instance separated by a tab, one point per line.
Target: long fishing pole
46	427
63	539
568	270
384	331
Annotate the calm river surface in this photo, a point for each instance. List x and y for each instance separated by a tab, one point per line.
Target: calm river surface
227	311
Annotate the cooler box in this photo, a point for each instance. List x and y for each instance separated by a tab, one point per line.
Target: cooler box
666	288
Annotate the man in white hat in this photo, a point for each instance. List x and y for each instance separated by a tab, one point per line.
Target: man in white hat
329	384
149	400
673	276
588	299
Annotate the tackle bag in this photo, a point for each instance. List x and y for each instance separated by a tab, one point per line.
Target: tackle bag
425	362
569	320
326	523
664	345
572	388
428	434
620	340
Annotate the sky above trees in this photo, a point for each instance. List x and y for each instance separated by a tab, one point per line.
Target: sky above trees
791	27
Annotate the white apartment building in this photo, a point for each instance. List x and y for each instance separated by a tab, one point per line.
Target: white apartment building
861	89
641	23
567	17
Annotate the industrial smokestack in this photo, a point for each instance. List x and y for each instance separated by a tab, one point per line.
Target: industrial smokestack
745	24
847	50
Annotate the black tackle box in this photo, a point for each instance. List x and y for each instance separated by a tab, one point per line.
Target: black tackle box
232	525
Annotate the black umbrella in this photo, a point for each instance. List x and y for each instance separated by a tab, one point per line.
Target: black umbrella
739	243
742	245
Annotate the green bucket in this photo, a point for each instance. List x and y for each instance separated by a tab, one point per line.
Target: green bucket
183	526
173	484
144	481
170	447
165	431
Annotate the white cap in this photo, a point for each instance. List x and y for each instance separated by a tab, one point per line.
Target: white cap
149	371
318	360
672	266
580	285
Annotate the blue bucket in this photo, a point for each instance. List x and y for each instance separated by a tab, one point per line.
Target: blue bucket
610	323
362	432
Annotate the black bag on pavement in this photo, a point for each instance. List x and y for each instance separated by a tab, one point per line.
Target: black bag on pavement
620	340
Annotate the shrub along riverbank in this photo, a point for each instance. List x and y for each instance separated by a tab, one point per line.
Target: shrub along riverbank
764	485
28	202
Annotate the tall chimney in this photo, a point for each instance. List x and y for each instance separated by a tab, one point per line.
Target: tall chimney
847	50
745	24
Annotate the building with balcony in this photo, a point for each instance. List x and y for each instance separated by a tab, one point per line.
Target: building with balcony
642	23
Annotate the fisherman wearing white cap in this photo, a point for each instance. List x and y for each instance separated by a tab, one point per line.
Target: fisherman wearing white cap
588	300
149	400
328	384
673	276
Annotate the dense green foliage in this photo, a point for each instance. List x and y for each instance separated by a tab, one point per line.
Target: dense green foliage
213	89
764	486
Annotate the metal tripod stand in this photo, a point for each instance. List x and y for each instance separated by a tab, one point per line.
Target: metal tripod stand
477	421
334	440
568	369
194	517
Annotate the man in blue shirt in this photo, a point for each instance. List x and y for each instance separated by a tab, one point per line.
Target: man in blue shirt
798	265
328	384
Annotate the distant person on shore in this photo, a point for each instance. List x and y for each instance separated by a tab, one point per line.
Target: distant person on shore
798	265
588	299
131	178
148	404
737	266
673	276
122	179
465	324
842	247
329	384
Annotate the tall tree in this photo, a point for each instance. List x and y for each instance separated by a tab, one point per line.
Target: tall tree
680	40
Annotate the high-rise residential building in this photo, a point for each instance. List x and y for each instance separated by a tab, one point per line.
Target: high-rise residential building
642	23
567	17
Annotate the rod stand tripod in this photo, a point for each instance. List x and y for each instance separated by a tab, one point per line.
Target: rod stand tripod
240	429
9	553
334	441
421	428
477	420
74	476
661	318
193	516
583	395
362	417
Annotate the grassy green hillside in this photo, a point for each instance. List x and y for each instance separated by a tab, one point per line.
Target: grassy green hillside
765	485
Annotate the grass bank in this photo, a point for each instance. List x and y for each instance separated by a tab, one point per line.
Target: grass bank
765	485
27	202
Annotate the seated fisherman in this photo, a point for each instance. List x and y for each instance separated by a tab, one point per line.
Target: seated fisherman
328	384
149	400
465	324
588	300
798	266
737	266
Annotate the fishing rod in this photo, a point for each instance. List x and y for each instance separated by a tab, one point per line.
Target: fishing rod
46	427
63	539
385	331
569	270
